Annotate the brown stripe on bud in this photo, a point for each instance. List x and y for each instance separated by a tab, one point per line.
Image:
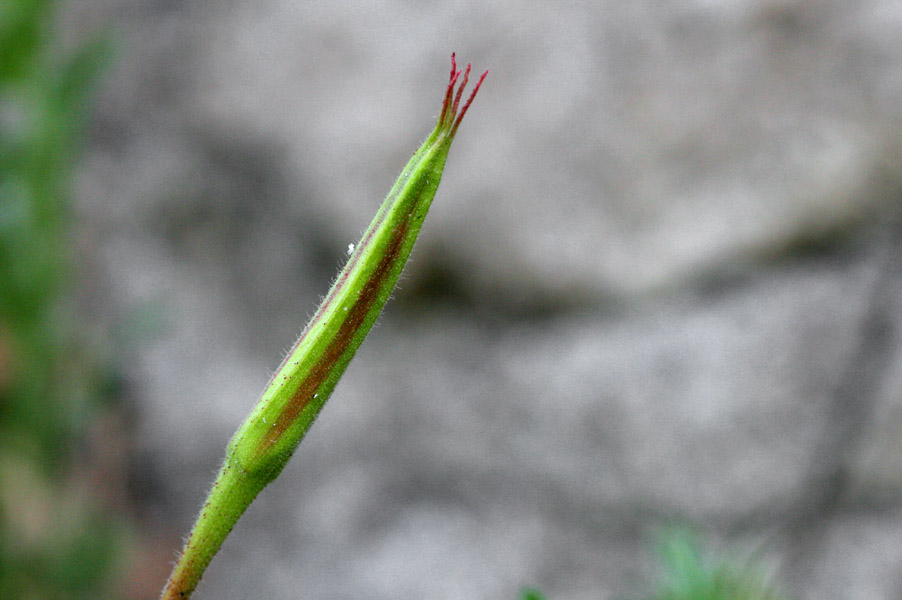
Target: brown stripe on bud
343	338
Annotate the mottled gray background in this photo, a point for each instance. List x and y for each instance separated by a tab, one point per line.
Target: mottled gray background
660	282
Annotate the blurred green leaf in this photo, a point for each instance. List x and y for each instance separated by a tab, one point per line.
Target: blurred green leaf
687	575
21	24
53	543
79	75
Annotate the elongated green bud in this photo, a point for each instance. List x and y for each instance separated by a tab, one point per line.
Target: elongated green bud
294	396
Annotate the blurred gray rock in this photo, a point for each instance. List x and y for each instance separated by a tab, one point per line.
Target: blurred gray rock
858	556
658	283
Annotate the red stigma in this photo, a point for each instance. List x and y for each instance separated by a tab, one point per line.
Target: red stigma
449	117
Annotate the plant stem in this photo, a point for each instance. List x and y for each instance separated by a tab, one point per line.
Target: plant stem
231	494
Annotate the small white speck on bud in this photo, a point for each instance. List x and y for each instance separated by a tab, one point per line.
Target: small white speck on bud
350	249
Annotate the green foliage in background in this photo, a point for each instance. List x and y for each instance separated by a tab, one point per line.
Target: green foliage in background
42	103
55	540
687	574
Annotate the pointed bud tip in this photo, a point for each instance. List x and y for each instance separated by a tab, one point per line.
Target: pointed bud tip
450	118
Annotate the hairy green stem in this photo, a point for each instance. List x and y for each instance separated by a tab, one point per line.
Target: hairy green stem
264	443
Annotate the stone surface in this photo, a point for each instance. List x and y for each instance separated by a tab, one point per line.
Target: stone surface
857	556
658	283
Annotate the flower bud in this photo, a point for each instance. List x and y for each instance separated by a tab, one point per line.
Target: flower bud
297	391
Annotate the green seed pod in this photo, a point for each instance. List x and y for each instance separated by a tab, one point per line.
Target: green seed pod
264	443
